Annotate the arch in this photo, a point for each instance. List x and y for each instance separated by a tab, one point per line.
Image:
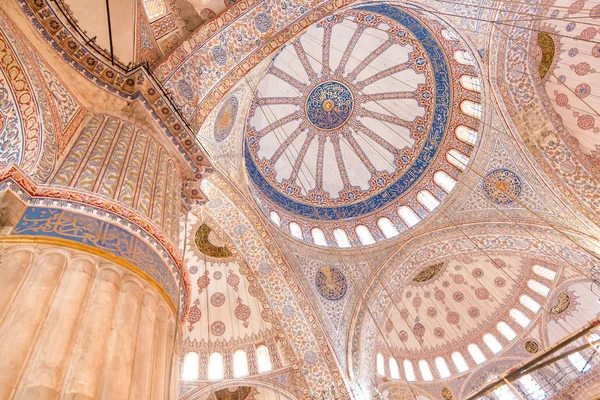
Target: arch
428	200
466	135
341	238
442	367
263	359
476	353
409	217
240	364
471	109
458	159
492	343
464	57
506	330
544	272
275	218
380	365
318	237
394	370
387	227
530	303
520	318
216	368
425	371
470	82
191	367
538	287
296	231
409	372
445	181
459	362
364	235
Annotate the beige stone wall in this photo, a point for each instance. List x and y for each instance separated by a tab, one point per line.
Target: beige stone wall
75	326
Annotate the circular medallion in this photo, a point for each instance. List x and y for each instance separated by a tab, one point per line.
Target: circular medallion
532	347
226	118
502	186
329	105
331	283
217	328
217	299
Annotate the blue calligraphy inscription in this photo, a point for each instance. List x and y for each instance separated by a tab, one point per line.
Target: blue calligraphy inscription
424	158
329	105
102	235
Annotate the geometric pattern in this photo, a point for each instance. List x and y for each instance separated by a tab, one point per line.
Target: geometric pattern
331	283
326	123
501	186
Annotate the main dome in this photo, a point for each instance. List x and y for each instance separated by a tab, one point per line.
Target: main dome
352	115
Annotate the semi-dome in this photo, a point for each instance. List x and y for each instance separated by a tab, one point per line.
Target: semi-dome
361	125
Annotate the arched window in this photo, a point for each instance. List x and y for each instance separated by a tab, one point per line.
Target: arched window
427	200
263	359
275	218
442	367
341	238
458	159
476	353
154	8
318	237
530	303
408	216
459	362
409	372
471	83
593	338
464	57
387	228
544	272
295	230
581	364
506	330
492	343
425	371
533	388
519	317
240	364
504	393
471	109
448	34
467	135
380	365
538	287
215	366
445	181
191	366
364	235
394	370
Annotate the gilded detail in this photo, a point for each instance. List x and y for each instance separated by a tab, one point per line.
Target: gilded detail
546	43
428	273
205	246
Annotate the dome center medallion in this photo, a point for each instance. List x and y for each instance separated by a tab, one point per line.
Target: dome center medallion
329	105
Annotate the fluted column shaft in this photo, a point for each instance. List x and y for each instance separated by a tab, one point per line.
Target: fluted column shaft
74	326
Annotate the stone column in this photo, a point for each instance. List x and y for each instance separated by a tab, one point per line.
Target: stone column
75	326
56	339
142	364
25	316
117	373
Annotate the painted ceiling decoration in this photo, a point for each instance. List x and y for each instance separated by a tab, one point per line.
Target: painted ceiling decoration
205	239
355	116
403	199
428	273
